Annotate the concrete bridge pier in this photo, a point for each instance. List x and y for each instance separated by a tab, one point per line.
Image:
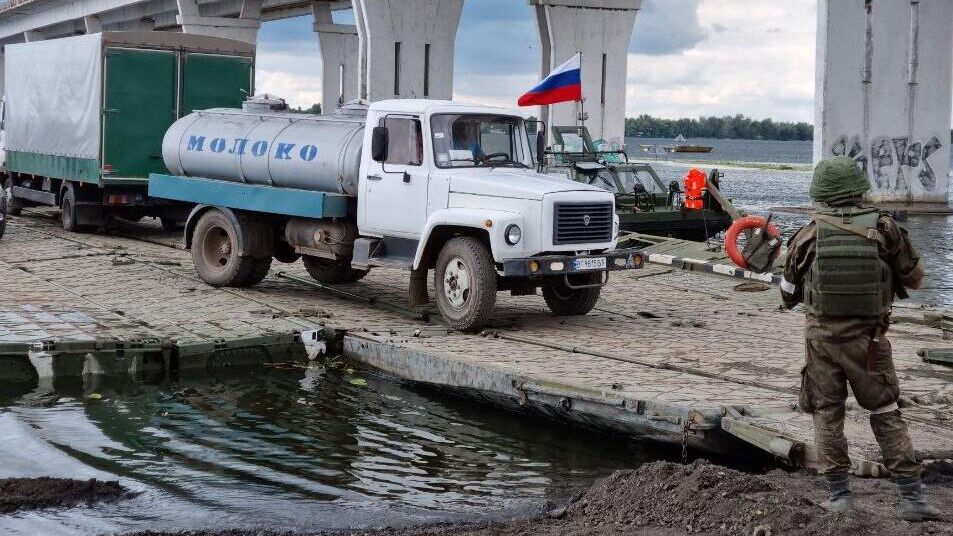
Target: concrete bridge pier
600	30
883	87
244	28
92	24
340	57
406	47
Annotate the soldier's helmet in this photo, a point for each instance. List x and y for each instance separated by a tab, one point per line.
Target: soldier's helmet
838	179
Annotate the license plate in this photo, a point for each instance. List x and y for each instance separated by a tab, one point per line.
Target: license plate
593	263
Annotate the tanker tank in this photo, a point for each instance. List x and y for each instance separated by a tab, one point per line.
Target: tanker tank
260	144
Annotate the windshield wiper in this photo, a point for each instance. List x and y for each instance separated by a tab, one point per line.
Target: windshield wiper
507	163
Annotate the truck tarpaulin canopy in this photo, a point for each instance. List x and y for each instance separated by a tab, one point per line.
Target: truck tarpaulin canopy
53	96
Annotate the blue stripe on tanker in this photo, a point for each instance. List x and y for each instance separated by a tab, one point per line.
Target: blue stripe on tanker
258	198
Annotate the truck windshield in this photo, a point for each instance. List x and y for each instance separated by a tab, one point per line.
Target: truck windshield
467	140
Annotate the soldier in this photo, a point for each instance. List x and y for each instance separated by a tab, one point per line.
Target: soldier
846	266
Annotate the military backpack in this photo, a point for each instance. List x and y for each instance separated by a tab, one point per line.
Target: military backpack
848	277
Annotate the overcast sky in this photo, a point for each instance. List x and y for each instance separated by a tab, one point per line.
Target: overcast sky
687	57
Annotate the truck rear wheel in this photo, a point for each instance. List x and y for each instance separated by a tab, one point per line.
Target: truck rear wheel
215	254
331	272
68	215
565	301
14	206
465	283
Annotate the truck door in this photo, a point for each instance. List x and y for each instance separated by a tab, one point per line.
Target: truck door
395	191
139	97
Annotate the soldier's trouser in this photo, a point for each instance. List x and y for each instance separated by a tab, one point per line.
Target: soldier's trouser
828	368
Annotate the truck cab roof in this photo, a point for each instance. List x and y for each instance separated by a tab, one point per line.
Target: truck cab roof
427	106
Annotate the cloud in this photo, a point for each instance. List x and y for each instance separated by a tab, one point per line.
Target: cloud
293	75
667	27
724	74
687	57
289	35
496	37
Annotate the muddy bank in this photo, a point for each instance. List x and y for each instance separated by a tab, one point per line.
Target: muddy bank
32	493
667	499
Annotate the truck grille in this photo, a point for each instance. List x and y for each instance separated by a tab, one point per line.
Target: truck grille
581	223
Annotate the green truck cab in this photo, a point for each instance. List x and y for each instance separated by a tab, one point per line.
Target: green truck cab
644	203
84	117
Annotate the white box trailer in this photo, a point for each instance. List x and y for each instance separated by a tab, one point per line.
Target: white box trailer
84	116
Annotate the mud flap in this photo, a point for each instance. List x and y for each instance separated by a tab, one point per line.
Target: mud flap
90	213
418	288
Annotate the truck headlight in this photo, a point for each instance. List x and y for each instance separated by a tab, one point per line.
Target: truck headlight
615	228
513	234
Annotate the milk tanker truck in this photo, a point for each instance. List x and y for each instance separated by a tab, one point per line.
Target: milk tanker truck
412	184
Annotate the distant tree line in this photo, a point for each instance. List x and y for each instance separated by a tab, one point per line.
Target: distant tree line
732	127
314	109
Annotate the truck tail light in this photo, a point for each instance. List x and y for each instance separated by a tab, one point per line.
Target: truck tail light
107	168
120	199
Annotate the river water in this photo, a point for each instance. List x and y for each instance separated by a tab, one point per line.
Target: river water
756	188
303	449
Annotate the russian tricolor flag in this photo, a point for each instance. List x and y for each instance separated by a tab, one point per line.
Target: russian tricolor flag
562	85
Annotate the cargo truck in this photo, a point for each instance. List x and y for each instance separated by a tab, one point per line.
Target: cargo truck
84	117
418	185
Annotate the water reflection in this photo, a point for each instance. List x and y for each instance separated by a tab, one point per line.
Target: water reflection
295	449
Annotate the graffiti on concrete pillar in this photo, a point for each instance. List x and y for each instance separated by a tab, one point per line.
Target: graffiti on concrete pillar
854	149
927	175
892	163
881	160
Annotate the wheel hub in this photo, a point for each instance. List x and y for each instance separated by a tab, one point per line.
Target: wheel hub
218	248
456	283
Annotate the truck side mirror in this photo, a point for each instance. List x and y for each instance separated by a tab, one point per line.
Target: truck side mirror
379	144
540	147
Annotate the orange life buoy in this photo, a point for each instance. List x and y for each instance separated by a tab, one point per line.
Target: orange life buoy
695	184
739	226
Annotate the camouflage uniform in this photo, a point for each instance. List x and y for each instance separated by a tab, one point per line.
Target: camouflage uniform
853	350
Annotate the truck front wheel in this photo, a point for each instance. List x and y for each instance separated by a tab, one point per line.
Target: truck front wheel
465	283
215	254
331	272
565	301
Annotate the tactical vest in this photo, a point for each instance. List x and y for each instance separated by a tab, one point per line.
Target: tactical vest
848	277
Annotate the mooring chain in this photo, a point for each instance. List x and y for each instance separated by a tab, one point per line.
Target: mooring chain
685	442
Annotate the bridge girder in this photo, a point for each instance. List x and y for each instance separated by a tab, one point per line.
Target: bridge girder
61	18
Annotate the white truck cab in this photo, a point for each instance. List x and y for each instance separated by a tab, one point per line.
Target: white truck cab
440	172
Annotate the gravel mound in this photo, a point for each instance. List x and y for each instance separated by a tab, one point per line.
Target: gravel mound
940	473
709	499
31	493
668	499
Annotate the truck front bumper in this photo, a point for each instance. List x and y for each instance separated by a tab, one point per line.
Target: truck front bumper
548	265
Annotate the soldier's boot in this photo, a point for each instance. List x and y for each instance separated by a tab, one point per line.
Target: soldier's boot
913	507
841	499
